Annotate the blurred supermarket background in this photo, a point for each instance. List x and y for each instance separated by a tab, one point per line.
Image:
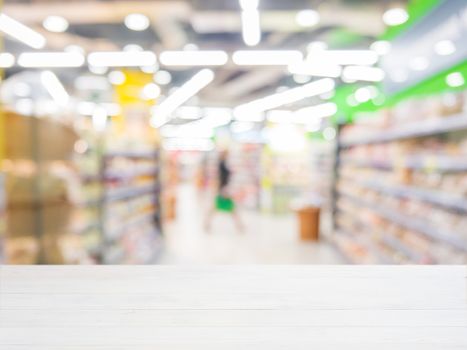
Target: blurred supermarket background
343	124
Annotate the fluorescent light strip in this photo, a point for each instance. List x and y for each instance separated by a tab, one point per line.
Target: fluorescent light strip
267	57
317	87
163	111
21	33
344	57
89	108
363	73
309	114
122	59
280	116
7	60
55	88
317	70
194	58
50	59
251	27
249	4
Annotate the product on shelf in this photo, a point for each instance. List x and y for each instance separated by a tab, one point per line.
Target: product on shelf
402	184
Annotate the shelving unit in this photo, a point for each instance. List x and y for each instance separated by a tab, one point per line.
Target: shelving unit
435	126
130	217
409	204
2	218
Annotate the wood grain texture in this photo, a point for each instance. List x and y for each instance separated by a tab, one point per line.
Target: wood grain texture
233	307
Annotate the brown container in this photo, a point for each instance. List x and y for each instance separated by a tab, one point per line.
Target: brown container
170	207
28	189
21	250
41	218
37	138
308	218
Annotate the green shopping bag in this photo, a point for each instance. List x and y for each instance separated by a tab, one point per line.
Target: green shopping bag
224	203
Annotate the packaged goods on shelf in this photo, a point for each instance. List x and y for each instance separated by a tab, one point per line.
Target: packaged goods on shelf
245	161
407	183
131	210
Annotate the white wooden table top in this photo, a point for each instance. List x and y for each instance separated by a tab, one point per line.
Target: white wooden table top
233	307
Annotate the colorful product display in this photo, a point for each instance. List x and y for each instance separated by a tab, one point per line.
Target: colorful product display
402	186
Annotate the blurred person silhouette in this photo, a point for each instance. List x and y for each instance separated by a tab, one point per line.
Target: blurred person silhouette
223	200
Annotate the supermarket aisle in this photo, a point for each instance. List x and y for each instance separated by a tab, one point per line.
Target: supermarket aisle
267	240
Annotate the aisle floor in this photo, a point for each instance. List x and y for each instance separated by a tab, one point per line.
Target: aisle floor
266	240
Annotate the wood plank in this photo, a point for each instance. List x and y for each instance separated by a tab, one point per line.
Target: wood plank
233	307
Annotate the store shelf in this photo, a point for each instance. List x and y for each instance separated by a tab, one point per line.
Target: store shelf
399	247
418	225
132	154
431	163
126	193
138	220
411	130
454	202
86	228
129	175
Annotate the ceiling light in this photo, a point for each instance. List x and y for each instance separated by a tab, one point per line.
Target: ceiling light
21	33
301	78
316	46
381	47
320	111
122	59
445	47
99	118
251	27
455	79
266	57
7	60
364	94
55	88
190	47
290	96
419	63
163	111
315	69
150	91
395	16
328	95
56	24
162	77
98	70
150	69
313	126
50	59
279	116
329	134
116	77
133	47
137	22
343	57
363	73
188	112
217	116
307	18
74	49
194	58
249	4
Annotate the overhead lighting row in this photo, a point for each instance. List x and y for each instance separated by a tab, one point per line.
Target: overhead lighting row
188	58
